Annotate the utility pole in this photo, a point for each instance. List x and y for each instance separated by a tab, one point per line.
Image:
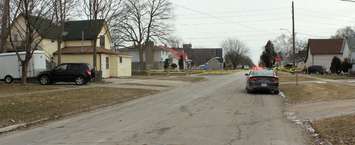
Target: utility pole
294	40
293	34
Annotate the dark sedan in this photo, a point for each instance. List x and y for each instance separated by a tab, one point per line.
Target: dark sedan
262	80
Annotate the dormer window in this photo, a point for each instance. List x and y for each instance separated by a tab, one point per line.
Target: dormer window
102	41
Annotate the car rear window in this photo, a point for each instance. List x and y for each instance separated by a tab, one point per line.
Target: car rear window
262	73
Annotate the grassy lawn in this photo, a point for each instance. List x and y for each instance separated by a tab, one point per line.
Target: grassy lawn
317	92
288	77
8	89
335	77
28	108
338	130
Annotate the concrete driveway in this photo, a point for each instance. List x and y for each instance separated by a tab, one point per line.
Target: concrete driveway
213	112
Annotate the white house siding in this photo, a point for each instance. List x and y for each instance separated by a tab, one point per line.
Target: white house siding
352	58
49	46
105	71
323	60
124	68
346	51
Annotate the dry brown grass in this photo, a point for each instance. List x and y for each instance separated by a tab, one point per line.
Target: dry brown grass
172	78
338	130
28	108
287	77
317	92
8	89
148	85
335	77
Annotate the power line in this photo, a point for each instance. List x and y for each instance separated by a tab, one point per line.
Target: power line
215	17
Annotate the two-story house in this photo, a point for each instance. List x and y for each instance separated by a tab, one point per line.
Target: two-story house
78	44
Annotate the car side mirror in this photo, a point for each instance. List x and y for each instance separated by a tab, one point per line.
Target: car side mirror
246	74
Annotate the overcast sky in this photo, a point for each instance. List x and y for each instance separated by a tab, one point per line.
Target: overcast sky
206	23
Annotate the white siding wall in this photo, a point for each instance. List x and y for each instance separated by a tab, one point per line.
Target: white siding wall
134	55
157	56
346	51
105	71
352	59
323	60
124	68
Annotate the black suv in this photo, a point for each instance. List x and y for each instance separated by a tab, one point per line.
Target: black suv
80	73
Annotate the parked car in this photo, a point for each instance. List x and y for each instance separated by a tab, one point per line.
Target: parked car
80	73
203	67
316	69
262	80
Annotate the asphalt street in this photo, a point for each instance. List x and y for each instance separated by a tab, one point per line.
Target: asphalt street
213	112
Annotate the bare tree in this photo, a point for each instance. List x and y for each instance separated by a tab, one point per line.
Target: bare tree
345	33
108	10
62	10
283	44
145	21
283	47
4	10
174	42
236	52
25	35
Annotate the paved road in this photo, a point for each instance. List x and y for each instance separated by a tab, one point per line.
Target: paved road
216	112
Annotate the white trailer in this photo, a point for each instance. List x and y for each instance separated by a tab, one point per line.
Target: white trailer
10	66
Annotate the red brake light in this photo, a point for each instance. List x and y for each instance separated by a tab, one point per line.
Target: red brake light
253	79
88	72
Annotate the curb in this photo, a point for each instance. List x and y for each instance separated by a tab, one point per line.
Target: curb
11	128
305	124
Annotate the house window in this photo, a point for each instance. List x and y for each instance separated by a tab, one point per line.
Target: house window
107	63
102	41
121	59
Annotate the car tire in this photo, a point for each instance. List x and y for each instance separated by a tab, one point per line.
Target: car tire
8	79
249	91
80	81
276	92
44	80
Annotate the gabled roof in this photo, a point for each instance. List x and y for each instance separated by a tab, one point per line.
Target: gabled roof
90	28
74	29
326	46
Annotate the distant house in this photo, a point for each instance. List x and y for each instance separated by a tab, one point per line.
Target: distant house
77	45
215	64
351	43
322	51
155	56
200	56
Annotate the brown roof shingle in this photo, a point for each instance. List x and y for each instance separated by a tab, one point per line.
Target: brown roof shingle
326	46
86	50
